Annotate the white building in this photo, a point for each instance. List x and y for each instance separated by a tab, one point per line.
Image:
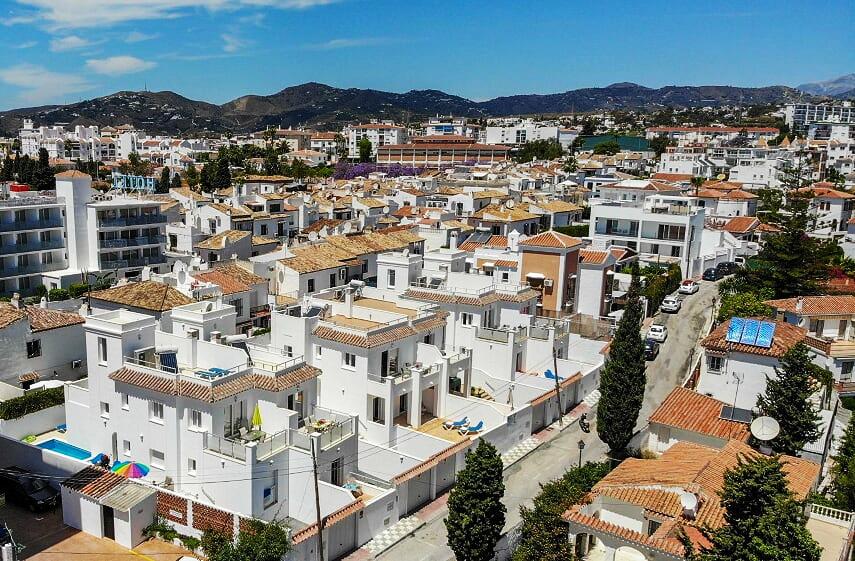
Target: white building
379	134
800	115
520	133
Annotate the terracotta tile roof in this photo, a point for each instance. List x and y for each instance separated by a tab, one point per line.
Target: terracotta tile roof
843	305
593	256
218	241
741	224
786	336
470	246
9	314
823	190
550	394
369	202
43	319
232	211
431	461
510	263
676	177
668	545
449	298
319	224
334	518
147	295
464	227
94	482
489	194
231	278
72	174
558	206
522	296
261	240
498	213
378	338
306	263
691	411
551	238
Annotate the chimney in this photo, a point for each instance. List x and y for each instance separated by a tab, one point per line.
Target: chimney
43	303
16	300
514	241
800	302
348	301
215	336
452	240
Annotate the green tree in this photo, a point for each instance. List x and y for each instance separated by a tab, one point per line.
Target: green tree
623	378
745	304
698	182
163	183
43	176
259	542
192	176
843	471
176	182
787	400
222	177
543	536
476	514
135	166
764	522
206	176
659	144
365	150
539	150
610	147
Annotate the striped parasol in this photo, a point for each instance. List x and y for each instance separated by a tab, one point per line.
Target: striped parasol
131	470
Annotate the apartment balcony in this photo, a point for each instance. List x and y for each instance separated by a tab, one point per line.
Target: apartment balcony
32	247
625	232
23	225
132	242
120	222
326	427
255	446
130	263
404	373
259	311
36	268
831	347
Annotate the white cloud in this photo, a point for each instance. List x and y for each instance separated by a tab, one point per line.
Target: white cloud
39	85
69	43
346	43
119	65
73	14
232	43
139	37
26	45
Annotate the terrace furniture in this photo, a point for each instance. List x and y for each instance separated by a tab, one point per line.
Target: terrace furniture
466	431
448	425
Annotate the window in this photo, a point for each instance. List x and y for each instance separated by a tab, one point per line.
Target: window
156	412
466	318
263	229
505	276
846	370
350	360
310	285
124	398
34	348
270	493
157	459
105	410
318	350
342	273
191	466
126	447
238	304
332	279
378	410
715	363
817	326
102	351
195	419
391	277
652	526
289	351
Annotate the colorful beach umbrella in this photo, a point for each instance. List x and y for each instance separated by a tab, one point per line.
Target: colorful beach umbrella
131	470
256	416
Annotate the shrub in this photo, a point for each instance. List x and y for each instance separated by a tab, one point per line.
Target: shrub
156	527
214	542
31	402
40	291
576	231
78	289
58	294
189	542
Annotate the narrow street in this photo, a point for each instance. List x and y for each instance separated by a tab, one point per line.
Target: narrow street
553	458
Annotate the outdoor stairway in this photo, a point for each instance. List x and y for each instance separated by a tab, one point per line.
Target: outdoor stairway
481	393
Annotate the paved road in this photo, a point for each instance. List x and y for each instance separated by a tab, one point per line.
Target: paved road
553	458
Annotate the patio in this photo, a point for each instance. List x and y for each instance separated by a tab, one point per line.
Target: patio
434	428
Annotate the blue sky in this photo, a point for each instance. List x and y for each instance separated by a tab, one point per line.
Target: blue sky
60	51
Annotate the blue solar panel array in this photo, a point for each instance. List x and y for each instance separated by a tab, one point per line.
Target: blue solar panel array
752	332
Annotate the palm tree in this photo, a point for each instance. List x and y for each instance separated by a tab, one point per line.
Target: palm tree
697	183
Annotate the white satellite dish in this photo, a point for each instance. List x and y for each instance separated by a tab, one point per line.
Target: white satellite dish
689	502
385	210
509	203
182	277
347	227
313	236
765	428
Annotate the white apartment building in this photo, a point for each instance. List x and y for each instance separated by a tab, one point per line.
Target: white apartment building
450	125
664	229
86	143
687	160
520	133
379	134
800	115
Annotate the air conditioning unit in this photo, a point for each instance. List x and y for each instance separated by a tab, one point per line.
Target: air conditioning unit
76	363
547	283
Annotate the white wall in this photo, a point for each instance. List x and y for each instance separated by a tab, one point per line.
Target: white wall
34	423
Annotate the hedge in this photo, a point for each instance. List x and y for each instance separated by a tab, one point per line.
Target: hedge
575	231
57	294
31	402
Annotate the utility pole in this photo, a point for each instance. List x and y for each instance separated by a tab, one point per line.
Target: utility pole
317	505
557	386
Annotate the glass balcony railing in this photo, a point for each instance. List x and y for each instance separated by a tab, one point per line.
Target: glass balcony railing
132	220
31	247
30	225
132	242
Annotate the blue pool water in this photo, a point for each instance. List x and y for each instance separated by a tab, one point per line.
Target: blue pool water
65	449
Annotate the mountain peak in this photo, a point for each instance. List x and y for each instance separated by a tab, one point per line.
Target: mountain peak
834	87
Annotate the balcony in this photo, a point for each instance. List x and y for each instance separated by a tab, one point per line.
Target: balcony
135	262
32	247
6	272
625	232
259	311
263	445
326	427
120	222
132	242
831	347
400	375
21	225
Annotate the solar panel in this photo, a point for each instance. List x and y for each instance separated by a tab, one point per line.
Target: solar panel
734	332
735	414
764	336
749	333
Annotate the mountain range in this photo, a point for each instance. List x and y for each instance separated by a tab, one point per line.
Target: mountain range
842	87
326	107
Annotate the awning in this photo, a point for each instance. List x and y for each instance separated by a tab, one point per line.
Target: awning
126	496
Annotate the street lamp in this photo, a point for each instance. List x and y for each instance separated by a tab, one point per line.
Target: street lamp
581	447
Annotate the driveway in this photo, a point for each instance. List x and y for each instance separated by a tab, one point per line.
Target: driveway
553	458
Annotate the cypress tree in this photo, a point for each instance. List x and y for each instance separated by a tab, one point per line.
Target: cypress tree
787	400
764	522
843	471
476	514
163	183
175	183
623	378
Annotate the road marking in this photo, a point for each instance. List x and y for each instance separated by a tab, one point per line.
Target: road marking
138	554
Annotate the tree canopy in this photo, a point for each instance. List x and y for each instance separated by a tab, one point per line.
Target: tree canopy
365	150
843	471
259	542
623	378
539	150
610	148
476	514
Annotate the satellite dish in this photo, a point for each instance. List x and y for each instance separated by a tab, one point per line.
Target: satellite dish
689	501
347	227
313	236
509	203
182	277
385	210
765	428
721	177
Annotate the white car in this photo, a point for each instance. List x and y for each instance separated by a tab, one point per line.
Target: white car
688	287
671	304
657	333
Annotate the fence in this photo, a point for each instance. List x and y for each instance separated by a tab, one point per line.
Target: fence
589	327
225	446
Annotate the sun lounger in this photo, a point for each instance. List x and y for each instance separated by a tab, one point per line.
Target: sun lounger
448	425
465	431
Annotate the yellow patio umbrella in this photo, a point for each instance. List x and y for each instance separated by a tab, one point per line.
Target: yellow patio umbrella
256	416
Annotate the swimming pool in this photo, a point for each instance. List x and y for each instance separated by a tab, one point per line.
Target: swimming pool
65	449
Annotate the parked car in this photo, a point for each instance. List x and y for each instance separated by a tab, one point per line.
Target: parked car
739	261
657	333
688	287
671	304
712	274
727	268
27	489
651	349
